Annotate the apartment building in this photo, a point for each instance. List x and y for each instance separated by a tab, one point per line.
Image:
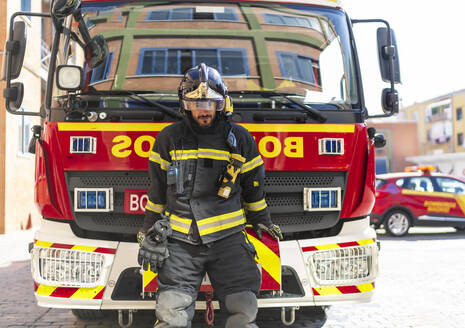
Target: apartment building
17	208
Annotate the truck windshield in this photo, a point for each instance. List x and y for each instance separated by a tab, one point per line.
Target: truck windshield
297	50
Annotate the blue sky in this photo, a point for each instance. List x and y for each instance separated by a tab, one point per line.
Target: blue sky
430	41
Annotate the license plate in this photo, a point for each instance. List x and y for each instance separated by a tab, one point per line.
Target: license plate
135	201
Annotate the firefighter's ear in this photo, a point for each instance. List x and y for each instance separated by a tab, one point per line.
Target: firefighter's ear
228	106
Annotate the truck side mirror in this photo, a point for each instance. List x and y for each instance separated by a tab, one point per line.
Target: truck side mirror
390	101
14	94
16	48
387	51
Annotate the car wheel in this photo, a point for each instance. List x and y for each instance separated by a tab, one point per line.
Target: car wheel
397	223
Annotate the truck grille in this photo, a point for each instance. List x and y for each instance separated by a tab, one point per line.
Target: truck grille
284	196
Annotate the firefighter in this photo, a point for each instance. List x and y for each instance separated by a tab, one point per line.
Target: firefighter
206	173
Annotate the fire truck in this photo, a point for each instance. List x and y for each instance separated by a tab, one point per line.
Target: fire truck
294	78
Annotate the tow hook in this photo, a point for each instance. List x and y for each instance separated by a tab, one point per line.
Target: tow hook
121	321
292	315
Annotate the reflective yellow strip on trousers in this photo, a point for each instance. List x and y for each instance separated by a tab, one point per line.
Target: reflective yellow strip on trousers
221	222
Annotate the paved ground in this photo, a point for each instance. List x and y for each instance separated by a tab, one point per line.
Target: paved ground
421	284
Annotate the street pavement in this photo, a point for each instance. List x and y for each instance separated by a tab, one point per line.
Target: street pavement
421	285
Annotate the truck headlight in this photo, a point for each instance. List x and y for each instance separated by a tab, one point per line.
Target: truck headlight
343	265
53	266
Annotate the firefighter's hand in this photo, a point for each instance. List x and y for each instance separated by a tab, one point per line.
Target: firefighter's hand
272	229
153	253
154	246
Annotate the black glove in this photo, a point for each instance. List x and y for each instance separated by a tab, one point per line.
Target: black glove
153	249
272	229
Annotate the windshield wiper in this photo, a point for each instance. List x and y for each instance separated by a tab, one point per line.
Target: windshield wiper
315	114
134	95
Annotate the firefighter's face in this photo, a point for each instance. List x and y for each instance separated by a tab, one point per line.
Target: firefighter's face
203	117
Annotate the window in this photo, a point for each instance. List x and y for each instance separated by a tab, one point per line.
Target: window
450	185
298	67
399	182
24	132
293	21
420	184
25	5
380	183
460	139
381	165
161	61
189	13
102	71
459	113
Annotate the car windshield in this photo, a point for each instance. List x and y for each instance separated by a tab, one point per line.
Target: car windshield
298	50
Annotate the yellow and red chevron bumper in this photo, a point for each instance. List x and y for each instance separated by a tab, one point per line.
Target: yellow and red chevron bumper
340	290
338	245
73	291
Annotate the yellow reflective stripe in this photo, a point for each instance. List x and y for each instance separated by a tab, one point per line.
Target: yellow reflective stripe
328	290
118	127
257	161
427	193
366	241
179	224
155	157
256	206
221	227
157	208
220	217
84	248
87	293
268	259
328	246
323	128
221	222
365	287
183	154
43	243
220	155
45	290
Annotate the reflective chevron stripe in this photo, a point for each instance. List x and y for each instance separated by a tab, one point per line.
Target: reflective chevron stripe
338	245
94	249
69	292
340	290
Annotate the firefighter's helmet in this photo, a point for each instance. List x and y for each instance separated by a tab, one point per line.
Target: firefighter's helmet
203	88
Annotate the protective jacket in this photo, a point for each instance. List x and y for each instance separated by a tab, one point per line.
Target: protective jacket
198	215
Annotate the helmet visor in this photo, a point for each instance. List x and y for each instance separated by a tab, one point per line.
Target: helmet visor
209	104
203	92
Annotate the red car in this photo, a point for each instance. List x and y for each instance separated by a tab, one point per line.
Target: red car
422	198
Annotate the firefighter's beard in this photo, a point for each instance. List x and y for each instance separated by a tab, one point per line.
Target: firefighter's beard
204	118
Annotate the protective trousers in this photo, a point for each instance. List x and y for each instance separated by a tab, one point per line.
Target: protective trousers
233	273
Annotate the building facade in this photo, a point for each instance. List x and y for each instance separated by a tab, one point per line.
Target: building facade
401	142
17	208
441	132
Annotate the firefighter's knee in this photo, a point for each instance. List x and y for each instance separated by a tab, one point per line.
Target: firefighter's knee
175	308
242	308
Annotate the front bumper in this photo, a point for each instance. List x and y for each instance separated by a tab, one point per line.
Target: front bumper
308	289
